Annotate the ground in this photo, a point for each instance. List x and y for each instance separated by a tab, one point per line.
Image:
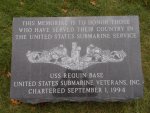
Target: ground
48	8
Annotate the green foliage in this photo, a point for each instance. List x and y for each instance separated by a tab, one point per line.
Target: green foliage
48	8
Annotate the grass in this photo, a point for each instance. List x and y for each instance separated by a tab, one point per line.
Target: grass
48	8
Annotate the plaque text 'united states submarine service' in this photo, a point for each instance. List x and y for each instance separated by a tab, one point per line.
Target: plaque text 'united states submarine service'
76	59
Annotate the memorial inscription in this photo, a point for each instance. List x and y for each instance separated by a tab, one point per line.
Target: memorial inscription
76	59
